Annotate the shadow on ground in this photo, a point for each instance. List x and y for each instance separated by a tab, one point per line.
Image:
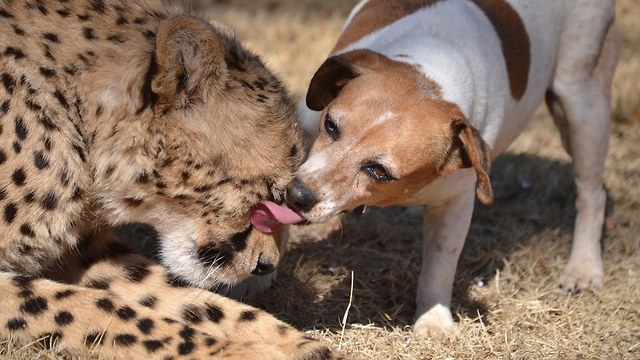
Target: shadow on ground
534	200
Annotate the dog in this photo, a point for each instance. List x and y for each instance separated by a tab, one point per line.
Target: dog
419	95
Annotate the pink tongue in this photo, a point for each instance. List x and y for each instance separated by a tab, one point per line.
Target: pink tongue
267	216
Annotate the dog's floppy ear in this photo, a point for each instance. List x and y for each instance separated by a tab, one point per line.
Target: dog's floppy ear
188	53
335	73
474	152
327	82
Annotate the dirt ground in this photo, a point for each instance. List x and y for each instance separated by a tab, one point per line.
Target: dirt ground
506	296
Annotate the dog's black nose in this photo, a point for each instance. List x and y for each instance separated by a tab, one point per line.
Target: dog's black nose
264	267
299	196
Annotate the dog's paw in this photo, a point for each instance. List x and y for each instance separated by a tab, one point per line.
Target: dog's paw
583	275
437	323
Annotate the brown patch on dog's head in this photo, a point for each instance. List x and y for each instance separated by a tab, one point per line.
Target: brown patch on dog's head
215	134
386	133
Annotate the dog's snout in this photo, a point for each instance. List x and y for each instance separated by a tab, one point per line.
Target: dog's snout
299	196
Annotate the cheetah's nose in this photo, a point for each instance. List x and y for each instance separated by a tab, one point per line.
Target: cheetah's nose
264	267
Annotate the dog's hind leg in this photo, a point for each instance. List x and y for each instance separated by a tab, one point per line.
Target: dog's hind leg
580	101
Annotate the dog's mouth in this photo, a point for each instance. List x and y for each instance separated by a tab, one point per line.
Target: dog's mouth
356	211
268	217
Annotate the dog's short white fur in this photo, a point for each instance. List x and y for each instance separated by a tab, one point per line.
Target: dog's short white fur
465	55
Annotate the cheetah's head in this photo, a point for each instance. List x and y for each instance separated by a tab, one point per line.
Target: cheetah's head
213	135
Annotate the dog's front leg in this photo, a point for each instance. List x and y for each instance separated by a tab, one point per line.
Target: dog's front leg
445	229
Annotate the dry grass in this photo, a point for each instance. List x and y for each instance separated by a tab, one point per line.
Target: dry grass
516	248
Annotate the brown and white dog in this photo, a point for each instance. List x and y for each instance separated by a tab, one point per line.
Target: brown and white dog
419	94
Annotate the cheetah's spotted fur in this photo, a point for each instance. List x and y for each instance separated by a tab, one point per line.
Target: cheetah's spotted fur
120	111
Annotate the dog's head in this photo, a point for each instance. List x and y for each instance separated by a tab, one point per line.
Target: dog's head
385	133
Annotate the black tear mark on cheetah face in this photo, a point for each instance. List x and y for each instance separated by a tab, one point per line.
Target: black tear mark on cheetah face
218	134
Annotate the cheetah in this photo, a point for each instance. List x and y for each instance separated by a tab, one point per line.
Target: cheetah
132	111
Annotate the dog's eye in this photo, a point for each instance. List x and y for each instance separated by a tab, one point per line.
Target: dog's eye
377	172
332	128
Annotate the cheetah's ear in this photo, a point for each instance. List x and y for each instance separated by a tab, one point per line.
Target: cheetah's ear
188	53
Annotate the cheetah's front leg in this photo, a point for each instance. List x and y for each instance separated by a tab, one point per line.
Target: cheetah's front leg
146	283
87	321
